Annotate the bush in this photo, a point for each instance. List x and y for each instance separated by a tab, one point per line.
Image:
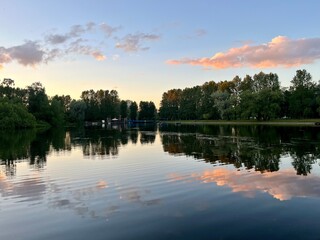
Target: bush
15	116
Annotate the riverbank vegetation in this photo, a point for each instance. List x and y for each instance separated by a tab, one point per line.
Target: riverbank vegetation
31	106
256	98
259	97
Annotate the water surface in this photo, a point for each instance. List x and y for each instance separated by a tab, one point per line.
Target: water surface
171	182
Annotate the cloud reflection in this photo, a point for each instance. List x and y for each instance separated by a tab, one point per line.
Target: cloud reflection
282	185
26	190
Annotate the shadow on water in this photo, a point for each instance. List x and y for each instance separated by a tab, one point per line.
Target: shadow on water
251	147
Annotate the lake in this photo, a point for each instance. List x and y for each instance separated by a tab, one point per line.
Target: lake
161	182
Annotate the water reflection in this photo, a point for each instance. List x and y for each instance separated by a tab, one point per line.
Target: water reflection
282	185
34	146
254	147
29	189
139	185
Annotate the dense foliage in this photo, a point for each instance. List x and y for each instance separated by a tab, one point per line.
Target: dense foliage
15	116
259	97
24	108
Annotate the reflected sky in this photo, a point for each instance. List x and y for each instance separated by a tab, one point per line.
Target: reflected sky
282	185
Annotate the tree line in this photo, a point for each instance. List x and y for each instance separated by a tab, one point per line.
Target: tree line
257	97
31	106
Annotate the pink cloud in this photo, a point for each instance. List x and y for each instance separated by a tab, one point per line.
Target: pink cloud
98	56
279	52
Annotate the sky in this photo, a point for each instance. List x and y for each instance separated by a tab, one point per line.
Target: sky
143	48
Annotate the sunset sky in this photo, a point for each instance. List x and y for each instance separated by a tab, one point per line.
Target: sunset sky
143	48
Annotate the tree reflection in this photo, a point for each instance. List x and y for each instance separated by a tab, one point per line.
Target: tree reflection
14	146
250	147
100	142
253	147
147	133
34	146
304	155
28	145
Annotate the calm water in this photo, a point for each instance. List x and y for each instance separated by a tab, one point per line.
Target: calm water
184	182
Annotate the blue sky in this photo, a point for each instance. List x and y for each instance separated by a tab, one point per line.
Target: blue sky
143	48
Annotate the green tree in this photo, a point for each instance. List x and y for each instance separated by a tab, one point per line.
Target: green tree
77	111
57	112
170	104
261	97
190	103
123	109
147	111
225	104
15	116
302	100
133	111
207	109
38	103
101	104
7	89
92	107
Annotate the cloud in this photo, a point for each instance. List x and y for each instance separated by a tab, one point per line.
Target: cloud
133	42
57	38
279	52
108	30
74	32
98	55
200	32
27	54
53	54
84	49
196	34
77	40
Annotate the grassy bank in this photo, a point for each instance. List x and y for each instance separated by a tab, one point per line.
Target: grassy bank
282	122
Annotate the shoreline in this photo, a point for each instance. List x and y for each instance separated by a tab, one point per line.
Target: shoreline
310	123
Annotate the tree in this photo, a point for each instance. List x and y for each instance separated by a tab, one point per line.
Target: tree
92	107
7	88
57	112
123	109
190	103
147	111
302	79
133	111
77	111
261	97
101	104
38	103
15	116
170	104
206	103
224	104
302	100
9	92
